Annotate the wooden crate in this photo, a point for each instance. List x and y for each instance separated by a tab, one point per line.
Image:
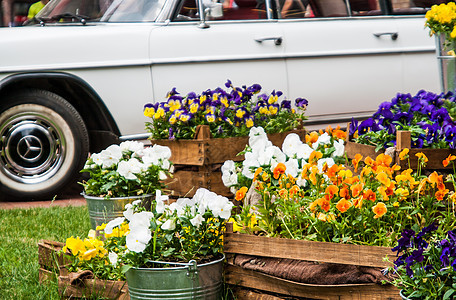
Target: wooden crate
198	161
92	288
50	259
371	256
403	141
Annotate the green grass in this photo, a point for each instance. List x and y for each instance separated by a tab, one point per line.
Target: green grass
21	230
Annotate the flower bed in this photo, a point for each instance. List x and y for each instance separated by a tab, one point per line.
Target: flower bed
313	203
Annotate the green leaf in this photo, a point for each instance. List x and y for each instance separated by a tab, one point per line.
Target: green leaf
448	294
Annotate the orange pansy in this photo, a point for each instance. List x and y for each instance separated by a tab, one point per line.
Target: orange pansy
356	189
356	161
440	194
447	160
404	154
369	195
421	156
331	190
279	170
379	210
343	205
383	178
312	137
383	159
325	205
315	156
240	194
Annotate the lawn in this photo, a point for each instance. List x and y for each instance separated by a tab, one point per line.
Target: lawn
21	230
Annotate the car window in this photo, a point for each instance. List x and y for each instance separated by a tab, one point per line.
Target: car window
413	6
133	11
223	10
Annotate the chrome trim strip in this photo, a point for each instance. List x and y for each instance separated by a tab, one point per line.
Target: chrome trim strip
139	136
165	61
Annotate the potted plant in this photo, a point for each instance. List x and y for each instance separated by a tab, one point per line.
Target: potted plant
173	249
121	174
204	130
425	264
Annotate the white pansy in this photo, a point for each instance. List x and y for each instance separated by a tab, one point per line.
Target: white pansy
291	144
323	139
138	238
149	156
137	202
170	224
165	164
141	220
159	199
96	158
162	152
202	198
304	151
292	167
129	211
301	182
229	176
113	258
113	223
321	162
221	207
110	156
340	148
162	175
129	168
197	220
247	167
133	146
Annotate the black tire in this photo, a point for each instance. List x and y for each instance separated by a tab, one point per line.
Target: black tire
44	144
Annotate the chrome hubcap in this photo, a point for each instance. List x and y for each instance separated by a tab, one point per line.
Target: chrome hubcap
32	148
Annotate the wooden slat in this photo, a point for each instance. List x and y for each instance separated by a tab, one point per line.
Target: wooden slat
435	156
185	183
370	256
206	150
352	148
235	275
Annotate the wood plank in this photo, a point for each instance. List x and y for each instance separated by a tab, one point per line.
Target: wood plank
206	150
185	183
235	275
370	256
352	148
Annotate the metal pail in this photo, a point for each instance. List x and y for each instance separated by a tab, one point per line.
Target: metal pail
103	210
188	281
446	64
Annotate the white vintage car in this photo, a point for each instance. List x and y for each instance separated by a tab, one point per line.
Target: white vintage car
76	78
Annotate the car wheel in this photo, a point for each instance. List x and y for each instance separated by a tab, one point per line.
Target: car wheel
44	144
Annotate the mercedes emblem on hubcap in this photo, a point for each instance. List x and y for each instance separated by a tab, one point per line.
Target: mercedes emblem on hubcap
29	148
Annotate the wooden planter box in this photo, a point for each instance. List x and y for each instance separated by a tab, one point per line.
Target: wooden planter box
197	162
52	267
50	260
403	141
372	256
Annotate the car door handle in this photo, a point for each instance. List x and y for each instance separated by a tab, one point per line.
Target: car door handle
277	40
394	35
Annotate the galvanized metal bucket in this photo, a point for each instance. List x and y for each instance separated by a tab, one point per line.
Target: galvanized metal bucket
185	281
103	210
447	64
